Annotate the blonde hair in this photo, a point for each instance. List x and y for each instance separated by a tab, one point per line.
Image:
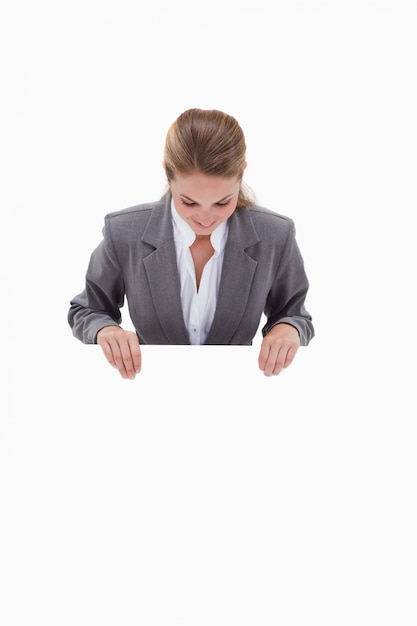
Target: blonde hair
209	142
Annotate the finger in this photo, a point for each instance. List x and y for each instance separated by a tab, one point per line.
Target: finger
119	359
135	352
263	355
131	355
290	356
108	352
270	359
112	349
278	365
284	359
122	351
275	362
126	362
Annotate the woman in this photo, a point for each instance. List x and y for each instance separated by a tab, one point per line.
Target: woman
199	266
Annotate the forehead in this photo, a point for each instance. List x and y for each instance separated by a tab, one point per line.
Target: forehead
198	184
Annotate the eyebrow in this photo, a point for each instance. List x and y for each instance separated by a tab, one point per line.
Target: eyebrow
230	195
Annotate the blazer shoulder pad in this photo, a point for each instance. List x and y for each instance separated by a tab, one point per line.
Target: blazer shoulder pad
268	222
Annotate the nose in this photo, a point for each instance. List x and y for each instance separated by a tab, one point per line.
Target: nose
205	216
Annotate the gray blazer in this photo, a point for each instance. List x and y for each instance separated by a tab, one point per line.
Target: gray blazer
263	272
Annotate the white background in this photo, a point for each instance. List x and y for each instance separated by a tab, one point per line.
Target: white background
202	492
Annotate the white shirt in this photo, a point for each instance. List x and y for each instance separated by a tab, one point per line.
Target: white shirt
198	306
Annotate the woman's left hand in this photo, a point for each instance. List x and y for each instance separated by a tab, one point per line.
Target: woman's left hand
278	349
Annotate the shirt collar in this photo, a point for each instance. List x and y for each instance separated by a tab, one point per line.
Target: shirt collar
184	233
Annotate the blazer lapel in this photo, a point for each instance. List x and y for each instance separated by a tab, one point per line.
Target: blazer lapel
236	279
161	269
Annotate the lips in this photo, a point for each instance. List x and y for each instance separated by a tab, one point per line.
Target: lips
205	226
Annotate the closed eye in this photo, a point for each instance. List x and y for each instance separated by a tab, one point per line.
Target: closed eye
218	204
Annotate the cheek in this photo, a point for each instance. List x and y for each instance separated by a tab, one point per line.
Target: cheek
183	210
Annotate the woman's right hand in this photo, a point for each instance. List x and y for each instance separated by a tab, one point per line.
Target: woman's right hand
122	350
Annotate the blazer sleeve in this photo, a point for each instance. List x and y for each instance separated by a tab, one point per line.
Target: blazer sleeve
99	304
286	298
